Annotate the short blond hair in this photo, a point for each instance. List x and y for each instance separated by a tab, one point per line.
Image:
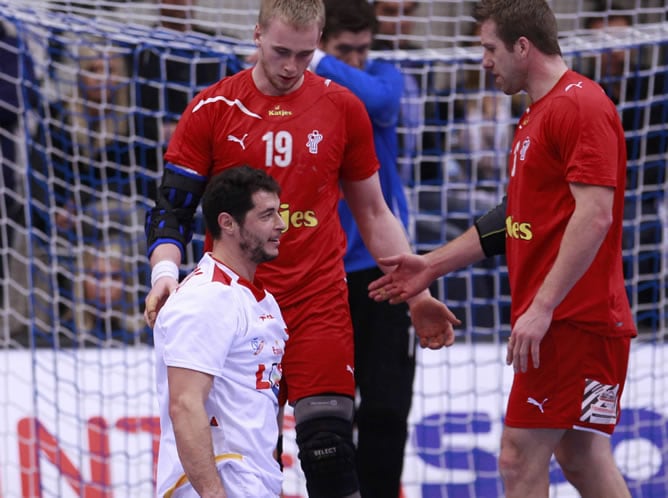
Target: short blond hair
297	13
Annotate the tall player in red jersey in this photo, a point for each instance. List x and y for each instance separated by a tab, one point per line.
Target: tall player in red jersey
315	138
560	227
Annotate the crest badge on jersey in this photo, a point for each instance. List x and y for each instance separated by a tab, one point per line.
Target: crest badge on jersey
314	138
520	151
257	345
525	147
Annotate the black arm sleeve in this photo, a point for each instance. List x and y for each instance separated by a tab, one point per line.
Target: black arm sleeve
171	220
491	228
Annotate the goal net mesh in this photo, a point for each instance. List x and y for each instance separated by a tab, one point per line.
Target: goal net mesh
89	95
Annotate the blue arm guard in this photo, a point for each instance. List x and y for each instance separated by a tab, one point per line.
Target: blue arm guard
171	220
491	228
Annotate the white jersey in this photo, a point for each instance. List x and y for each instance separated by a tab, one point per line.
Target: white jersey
220	324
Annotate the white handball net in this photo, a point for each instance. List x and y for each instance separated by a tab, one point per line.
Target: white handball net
89	94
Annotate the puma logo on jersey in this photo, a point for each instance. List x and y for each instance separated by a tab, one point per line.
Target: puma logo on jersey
576	85
350	369
240	141
532	401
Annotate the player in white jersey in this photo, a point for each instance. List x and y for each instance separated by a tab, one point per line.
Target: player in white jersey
219	341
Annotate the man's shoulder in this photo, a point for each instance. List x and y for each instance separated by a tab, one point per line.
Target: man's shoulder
574	83
377	65
228	90
318	86
321	84
578	92
206	276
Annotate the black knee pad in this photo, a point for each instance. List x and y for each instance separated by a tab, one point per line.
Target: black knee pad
279	451
327	456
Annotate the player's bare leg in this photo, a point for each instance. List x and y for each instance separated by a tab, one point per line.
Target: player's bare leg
524	462
587	462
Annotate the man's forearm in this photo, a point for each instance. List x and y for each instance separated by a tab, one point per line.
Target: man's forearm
456	254
168	252
583	236
165	260
387	238
195	449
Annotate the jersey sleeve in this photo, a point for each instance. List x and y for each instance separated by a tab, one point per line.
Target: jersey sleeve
587	139
191	144
198	333
359	160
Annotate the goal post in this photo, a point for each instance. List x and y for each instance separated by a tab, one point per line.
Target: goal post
89	95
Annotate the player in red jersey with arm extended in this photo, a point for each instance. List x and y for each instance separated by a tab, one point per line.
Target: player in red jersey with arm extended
315	138
560	228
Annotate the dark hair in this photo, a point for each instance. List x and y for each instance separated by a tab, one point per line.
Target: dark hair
532	19
231	191
348	15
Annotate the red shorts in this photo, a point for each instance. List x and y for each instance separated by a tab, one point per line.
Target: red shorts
578	385
319	355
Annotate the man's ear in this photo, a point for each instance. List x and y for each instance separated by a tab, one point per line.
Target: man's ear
524	45
227	223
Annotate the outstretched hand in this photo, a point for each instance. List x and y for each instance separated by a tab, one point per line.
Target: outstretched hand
156	298
410	277
433	321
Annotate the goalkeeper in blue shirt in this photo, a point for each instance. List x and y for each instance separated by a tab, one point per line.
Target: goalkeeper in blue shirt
384	345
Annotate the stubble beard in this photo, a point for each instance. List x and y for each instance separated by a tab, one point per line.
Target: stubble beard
253	247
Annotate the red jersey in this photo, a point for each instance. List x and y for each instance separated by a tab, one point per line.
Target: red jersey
308	140
572	134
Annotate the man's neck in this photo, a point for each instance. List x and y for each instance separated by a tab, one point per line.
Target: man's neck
241	266
544	76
